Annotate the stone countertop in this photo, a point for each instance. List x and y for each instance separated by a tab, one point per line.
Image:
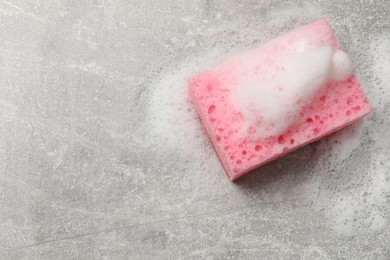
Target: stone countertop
96	162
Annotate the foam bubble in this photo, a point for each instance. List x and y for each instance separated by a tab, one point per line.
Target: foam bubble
272	97
341	66
274	94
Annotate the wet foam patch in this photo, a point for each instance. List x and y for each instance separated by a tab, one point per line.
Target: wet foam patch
350	184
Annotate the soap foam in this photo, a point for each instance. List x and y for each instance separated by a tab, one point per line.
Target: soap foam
355	193
351	198
275	97
341	66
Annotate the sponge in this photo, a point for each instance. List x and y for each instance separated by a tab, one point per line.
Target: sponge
265	102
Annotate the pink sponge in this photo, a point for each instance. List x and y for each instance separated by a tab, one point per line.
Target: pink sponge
265	102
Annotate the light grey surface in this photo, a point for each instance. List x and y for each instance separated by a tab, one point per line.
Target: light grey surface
80	178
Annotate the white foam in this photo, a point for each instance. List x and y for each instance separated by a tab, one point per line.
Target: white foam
272	98
172	118
341	66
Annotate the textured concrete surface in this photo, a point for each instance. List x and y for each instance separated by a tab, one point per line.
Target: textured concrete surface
81	177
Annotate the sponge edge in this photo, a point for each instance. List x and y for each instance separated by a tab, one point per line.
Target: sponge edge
246	137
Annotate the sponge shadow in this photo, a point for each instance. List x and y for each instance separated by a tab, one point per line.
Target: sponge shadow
294	165
293	168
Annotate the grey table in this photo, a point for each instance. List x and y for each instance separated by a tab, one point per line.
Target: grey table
101	156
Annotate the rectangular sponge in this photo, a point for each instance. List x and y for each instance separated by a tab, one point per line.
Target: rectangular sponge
268	101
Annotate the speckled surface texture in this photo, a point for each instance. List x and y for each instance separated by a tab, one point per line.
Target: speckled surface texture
83	175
